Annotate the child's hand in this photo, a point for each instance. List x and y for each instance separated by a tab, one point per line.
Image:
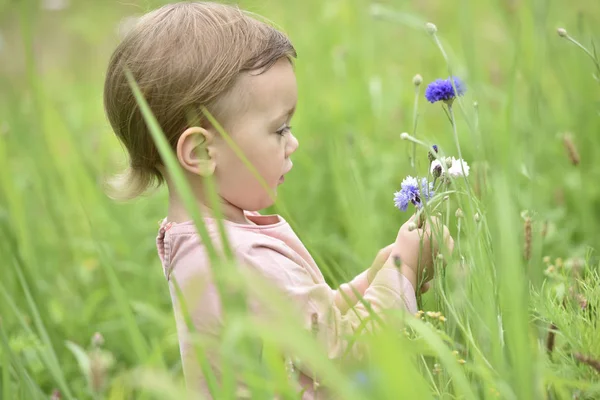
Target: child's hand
378	262
418	248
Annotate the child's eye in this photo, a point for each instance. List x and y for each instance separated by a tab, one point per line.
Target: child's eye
284	129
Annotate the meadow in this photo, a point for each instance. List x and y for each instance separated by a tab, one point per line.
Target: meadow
85	311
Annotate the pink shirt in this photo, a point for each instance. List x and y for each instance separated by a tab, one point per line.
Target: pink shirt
272	249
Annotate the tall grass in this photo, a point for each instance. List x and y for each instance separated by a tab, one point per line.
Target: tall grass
509	325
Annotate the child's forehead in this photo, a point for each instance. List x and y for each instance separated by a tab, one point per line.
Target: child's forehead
272	90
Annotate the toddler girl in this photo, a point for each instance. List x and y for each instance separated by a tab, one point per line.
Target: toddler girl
186	56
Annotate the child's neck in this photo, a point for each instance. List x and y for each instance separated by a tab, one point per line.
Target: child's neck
177	212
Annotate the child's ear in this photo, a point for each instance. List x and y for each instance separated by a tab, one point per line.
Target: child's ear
195	149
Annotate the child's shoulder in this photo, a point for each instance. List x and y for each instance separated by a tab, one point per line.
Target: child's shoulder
179	241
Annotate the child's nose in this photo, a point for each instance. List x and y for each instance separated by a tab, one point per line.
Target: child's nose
292	145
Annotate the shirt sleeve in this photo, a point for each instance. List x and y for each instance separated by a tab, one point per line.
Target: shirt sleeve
390	290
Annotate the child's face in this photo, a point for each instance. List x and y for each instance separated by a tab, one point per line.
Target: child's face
262	132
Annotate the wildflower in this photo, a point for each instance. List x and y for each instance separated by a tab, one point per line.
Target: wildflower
455	352
457	168
462	361
430	155
459	213
436	168
404	136
442	90
419	313
442	318
549	270
454	167
562	32
546	259
410	193
417	80
430	28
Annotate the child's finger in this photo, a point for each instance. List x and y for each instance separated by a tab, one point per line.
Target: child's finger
379	261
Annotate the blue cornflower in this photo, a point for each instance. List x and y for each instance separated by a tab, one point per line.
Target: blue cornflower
410	192
367	380
442	90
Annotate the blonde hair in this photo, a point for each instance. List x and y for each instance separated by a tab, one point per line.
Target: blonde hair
183	56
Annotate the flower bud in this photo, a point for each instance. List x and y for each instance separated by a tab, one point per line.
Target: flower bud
430	155
397	261
437	171
430	28
459	213
404	136
477	217
97	340
412	226
417	80
562	32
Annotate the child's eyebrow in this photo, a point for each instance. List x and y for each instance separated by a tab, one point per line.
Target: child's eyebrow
288	113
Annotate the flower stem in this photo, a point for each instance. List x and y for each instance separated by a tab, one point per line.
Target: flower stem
455	132
439	45
582	47
417	141
447	115
413	161
447	222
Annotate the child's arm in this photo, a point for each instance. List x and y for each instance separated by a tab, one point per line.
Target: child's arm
390	290
346	294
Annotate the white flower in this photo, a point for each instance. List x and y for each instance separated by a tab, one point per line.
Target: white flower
456	170
434	164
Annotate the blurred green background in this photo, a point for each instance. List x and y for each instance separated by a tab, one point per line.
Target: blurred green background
79	257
